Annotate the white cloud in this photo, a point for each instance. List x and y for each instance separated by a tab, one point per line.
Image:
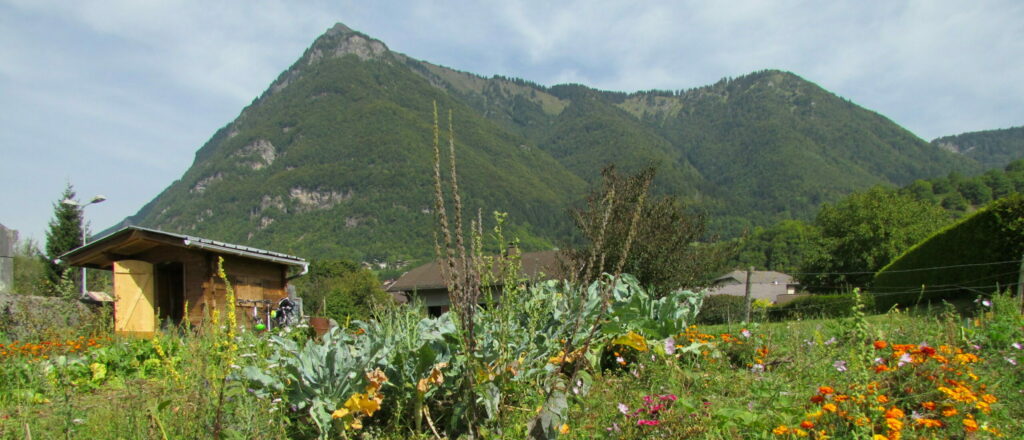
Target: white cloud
119	82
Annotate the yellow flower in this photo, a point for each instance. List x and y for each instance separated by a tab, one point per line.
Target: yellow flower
829	407
781	430
339	413
564	429
879	437
632	339
360	402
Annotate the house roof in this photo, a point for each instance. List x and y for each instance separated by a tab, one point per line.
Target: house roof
133	240
756	277
535	265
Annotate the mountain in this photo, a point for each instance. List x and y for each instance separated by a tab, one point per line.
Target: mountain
334	158
990	148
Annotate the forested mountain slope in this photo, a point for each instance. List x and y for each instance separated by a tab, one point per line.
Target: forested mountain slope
334	159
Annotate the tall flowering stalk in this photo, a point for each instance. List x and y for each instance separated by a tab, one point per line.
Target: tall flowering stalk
225	346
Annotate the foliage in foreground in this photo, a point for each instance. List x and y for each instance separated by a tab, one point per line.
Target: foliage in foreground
932	376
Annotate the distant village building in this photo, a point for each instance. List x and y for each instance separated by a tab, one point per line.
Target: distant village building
8	238
776	287
157	273
428	285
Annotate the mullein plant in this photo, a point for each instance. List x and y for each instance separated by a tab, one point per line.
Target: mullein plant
225	347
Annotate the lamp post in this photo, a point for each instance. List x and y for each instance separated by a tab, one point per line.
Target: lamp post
81	209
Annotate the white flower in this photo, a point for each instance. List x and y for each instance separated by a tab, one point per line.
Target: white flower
623	409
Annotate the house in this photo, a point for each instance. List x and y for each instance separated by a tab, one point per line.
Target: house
764	284
162	278
427	284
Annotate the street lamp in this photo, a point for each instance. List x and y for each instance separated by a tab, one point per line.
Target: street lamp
81	207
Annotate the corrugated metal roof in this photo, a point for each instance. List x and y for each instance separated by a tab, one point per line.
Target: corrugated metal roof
190	241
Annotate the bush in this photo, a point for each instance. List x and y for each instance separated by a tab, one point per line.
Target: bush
976	254
818	306
721	309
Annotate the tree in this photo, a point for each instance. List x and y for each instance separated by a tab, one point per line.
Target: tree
63	235
865	231
348	291
29	269
783	247
666	251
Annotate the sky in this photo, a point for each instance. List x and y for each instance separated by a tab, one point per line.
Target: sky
115	96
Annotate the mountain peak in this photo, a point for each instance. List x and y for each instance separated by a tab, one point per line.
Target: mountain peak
341	40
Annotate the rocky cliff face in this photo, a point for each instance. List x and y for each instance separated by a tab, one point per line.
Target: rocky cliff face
334	158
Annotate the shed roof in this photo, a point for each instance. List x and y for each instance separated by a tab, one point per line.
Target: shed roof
543	264
134	239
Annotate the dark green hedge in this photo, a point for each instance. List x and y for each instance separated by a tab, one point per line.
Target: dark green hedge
986	245
721	309
818	306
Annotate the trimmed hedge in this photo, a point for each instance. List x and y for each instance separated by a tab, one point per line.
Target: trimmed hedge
818	306
993	234
721	309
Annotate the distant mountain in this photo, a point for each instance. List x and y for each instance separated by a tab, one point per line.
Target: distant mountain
334	159
990	148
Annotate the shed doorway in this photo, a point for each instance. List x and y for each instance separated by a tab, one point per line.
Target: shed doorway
170	293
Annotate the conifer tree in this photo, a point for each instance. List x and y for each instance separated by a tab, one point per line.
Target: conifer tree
64	234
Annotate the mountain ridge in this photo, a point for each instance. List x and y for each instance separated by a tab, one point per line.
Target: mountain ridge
332	159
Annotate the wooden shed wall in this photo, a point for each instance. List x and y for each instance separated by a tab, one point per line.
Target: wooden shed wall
251	279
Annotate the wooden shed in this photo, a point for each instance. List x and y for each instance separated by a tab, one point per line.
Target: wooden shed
159	275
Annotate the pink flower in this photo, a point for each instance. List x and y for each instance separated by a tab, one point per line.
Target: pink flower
670	346
623	409
671	397
904	359
643	422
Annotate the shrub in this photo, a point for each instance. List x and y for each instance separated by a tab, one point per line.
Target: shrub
975	254
721	309
818	306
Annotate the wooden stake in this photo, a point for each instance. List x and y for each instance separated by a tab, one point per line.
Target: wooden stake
1020	284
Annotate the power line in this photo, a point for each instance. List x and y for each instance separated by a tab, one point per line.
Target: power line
921	269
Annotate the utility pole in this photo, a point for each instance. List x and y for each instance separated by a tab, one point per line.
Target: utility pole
747	293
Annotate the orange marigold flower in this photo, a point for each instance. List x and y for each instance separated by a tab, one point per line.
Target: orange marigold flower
826	390
829	407
880	345
970	425
862	421
880	368
841	398
988	398
817	398
929	405
948	411
781	430
807	424
928	423
894	424
882	398
894	413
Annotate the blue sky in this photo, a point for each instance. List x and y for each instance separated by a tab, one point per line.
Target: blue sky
116	96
